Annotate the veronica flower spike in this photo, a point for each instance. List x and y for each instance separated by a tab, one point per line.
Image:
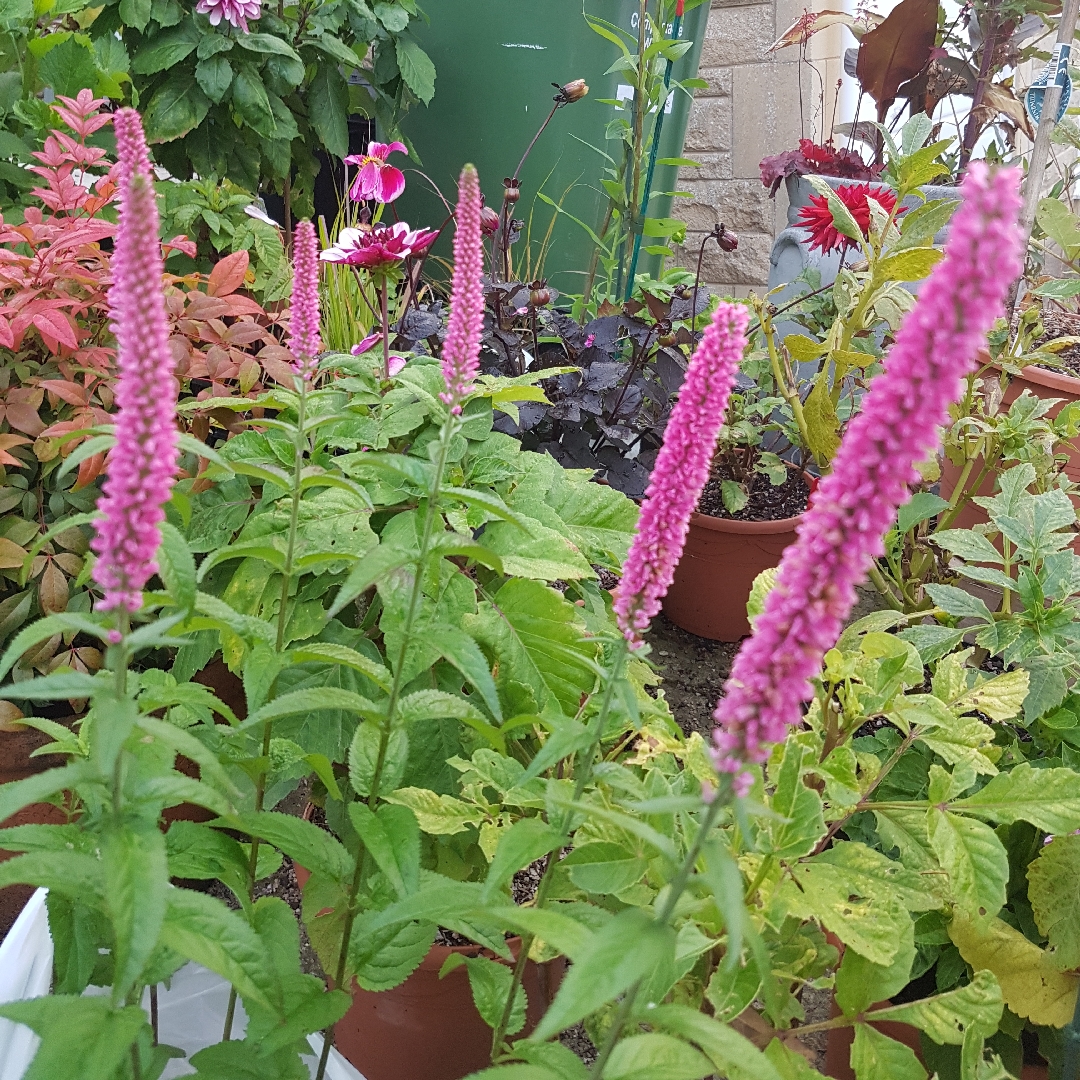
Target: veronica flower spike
856	503
142	466
681	471
304	341
461	350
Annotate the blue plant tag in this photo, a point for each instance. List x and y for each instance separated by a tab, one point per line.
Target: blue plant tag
1056	71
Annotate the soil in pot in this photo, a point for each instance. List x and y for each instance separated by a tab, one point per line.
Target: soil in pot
724	553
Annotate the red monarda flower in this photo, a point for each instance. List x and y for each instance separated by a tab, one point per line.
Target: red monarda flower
817	217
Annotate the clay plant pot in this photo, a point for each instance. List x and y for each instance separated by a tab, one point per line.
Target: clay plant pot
719	562
1042	383
17	743
429	1027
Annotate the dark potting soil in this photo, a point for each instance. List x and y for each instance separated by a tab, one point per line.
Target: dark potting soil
1059	324
766	503
523	887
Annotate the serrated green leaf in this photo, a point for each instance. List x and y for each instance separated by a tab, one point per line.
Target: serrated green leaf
947	1018
877	1057
1048	798
438	815
975	860
1054	893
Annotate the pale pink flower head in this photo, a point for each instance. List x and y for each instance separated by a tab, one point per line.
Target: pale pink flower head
681	471
304	340
397	362
142	466
461	350
855	505
234	12
376	179
381	249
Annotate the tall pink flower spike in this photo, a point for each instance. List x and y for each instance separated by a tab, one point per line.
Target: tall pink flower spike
681	471
461	350
142	465
856	503
304	341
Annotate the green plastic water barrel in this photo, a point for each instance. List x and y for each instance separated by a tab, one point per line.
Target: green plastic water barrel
495	61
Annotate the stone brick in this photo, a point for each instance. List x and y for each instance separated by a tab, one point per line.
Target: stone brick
711	166
719	80
737	35
743	205
709	126
766	117
749	265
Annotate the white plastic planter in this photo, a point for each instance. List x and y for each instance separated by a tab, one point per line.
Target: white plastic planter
190	1012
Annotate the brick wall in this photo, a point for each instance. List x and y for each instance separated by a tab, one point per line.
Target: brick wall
750	108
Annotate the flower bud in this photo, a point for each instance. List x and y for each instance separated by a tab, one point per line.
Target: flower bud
489	220
574	91
727	240
511	191
539	294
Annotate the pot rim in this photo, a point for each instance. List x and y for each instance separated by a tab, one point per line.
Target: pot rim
1053	380
757	528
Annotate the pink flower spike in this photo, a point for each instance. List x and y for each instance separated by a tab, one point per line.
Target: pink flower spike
375	179
856	503
234	12
681	471
142	466
304	340
461	350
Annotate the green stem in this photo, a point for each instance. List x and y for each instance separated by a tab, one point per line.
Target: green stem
581	779
675	890
431	514
300	446
788	393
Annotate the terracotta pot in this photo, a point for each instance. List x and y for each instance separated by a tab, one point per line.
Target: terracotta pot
1042	383
717	569
16	746
429	1027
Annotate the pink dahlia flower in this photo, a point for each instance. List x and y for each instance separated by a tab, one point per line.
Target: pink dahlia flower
377	180
854	506
234	12
142	466
681	471
397	361
381	248
304	340
461	350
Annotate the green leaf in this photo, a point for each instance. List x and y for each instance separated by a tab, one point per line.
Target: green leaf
922	506
1031	984
386	959
1054	892
214	76
799	807
392	835
539	642
462	651
860	982
328	107
732	987
922	223
313	848
1048	798
527	840
167	49
490	983
971	546
947	1018
364	759
41	786
733	1055
68	67
251	102
877	1057
176	565
266	43
975	860
957	602
374	566
804	349
177	107
911	265
608	968
604	867
1001	698
136	869
135	13
416	68
69	873
438	815
822	423
82	1038
203	929
550	925
656	1057
841	216
299	702
332	653
544	555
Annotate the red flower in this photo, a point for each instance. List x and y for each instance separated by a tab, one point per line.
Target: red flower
817	217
